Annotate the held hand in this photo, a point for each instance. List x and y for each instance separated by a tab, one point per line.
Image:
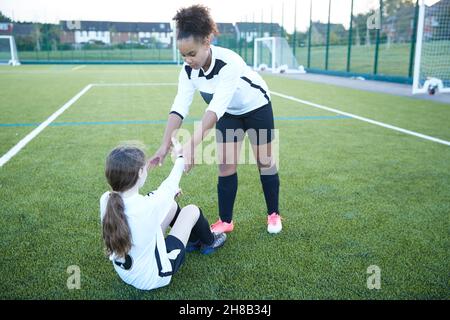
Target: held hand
158	157
188	154
177	148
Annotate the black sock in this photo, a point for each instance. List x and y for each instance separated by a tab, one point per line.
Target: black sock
176	216
226	191
201	231
271	188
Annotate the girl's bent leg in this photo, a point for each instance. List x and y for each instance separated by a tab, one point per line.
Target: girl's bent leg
186	220
171	216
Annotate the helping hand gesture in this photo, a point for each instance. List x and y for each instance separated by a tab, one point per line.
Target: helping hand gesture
188	154
177	148
158	157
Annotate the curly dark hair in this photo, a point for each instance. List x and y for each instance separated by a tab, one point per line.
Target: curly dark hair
195	21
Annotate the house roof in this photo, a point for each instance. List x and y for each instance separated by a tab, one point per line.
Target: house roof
405	13
141	26
23	29
225	28
116	26
257	26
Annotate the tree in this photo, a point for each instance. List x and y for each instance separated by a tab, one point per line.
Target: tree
398	18
4	18
391	7
360	26
50	36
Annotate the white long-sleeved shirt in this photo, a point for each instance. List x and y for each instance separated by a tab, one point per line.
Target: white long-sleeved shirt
150	265
229	85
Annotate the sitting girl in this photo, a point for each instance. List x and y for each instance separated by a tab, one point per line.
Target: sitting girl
134	225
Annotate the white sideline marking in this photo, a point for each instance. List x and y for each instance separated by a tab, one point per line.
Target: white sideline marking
381	124
78	68
134	84
22	143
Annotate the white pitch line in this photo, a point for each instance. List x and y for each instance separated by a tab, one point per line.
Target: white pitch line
381	124
143	84
22	143
78	68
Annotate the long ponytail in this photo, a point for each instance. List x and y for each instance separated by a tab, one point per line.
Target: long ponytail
122	172
116	231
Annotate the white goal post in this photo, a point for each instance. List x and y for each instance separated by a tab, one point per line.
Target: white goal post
432	52
274	54
8	51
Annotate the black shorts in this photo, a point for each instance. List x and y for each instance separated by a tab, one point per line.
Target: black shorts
173	243
258	124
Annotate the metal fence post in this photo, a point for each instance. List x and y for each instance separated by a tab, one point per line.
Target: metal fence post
253	48
294	36
246	45
327	46
282	19
271	20
413	40
350	36
309	34
377	44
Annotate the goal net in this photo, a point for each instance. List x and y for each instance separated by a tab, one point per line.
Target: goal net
8	51
432	56
275	54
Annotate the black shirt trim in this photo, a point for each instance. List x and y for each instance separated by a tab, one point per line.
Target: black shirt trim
158	262
174	112
218	65
256	87
188	71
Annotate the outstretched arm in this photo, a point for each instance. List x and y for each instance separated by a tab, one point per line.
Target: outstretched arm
178	112
173	124
208	121
164	196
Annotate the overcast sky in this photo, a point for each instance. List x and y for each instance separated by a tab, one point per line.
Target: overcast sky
163	10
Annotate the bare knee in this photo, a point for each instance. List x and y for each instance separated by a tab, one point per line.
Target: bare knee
191	211
264	162
267	168
227	169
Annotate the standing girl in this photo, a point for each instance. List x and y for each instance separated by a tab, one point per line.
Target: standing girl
238	101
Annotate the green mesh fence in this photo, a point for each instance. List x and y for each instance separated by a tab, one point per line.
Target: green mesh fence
368	37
